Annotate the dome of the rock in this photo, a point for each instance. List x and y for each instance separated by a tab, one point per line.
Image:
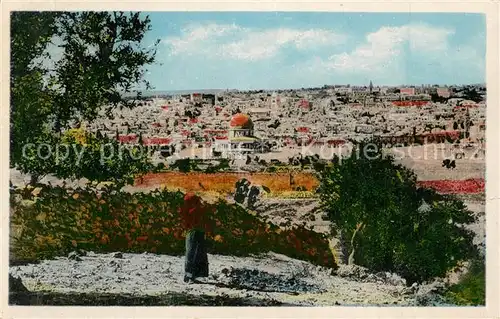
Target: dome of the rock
241	121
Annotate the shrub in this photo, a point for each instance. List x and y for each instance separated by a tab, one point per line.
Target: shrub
471	290
185	165
377	207
60	220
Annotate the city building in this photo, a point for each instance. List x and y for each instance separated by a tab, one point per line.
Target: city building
443	92
241	138
407	91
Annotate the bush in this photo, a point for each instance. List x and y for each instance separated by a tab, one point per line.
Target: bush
60	221
471	290
87	156
185	165
378	209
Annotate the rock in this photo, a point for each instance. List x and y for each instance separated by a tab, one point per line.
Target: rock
437	286
118	255
380	275
113	263
74	256
428	299
81	252
16	284
407	291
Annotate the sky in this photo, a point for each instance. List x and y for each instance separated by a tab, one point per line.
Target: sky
281	50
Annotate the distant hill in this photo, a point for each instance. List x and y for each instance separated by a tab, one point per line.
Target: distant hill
181	92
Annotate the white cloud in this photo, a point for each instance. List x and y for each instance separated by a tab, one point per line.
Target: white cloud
195	38
235	42
386	46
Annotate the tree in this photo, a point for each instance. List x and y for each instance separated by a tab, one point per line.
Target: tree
438	99
82	154
472	94
102	58
30	101
377	209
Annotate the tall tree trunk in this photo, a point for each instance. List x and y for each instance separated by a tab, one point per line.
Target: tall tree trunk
350	260
34	179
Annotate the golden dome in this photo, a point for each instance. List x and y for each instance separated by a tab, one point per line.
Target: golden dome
241	121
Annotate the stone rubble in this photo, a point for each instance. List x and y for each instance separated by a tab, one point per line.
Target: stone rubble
265	277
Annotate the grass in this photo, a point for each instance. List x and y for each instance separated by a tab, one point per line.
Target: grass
471	290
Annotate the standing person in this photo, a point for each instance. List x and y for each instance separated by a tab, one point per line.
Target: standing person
194	218
252	197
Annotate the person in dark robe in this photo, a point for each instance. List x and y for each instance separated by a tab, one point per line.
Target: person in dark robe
195	220
242	188
252	197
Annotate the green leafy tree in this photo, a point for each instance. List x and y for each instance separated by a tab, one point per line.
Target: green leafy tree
472	94
102	59
99	159
390	224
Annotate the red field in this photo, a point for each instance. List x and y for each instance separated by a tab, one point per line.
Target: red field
225	182
468	186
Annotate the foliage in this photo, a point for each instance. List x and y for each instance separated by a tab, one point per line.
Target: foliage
472	94
62	220
30	101
223	165
369	193
471	290
101	57
81	154
435	98
185	165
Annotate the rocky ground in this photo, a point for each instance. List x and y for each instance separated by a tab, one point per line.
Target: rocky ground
267	280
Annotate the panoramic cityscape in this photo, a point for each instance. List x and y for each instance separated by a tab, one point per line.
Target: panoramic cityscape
236	159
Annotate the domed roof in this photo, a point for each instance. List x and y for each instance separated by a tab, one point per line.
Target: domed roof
241	121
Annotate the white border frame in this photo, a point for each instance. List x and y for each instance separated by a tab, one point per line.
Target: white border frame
490	8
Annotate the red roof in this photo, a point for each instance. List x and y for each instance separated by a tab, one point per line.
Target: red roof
157	141
304	103
410	103
127	138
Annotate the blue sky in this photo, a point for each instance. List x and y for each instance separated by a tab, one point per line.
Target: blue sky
270	50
